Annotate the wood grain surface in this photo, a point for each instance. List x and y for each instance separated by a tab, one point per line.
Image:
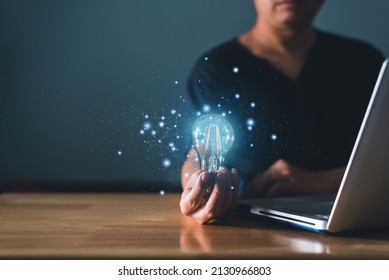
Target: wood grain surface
150	226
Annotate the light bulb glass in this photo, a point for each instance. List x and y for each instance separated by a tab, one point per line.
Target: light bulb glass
213	137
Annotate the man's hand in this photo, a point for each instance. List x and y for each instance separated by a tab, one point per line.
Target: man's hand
204	201
285	179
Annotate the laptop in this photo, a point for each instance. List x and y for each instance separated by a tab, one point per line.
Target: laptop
362	201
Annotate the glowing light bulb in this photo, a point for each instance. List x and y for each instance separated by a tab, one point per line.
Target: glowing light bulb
213	136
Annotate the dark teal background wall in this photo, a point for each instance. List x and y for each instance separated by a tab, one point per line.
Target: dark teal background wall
77	79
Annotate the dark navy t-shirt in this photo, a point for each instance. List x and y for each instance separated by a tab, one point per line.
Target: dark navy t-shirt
311	122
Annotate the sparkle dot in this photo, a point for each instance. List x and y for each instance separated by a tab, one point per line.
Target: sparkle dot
176	82
251	145
147	126
153	132
119	153
206	108
274	137
186	175
232	187
166	163
173	111
142	131
237	95
206	58
252	104
161	192
146	116
235	69
250	122
161	124
198	114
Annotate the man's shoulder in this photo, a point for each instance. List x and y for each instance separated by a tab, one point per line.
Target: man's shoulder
344	45
222	54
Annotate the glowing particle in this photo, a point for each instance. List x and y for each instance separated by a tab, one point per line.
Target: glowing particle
237	95
206	58
232	187
161	192
235	70
166	163
171	144
250	122
206	108
119	153
161	124
173	111
223	114
176	82
229	112
198	114
186	175
274	137
162	118
142	131
153	132
251	145
146	116
147	126
252	104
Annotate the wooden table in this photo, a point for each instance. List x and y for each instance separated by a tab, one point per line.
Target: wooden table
150	226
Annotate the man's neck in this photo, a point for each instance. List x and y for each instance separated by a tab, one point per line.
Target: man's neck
282	40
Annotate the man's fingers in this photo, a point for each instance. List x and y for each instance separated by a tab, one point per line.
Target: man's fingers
192	197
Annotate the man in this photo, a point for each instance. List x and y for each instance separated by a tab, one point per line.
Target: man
296	97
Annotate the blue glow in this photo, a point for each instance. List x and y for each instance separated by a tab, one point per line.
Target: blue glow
147	126
235	70
166	163
119	153
213	136
161	192
206	108
250	122
252	104
237	95
274	137
161	124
